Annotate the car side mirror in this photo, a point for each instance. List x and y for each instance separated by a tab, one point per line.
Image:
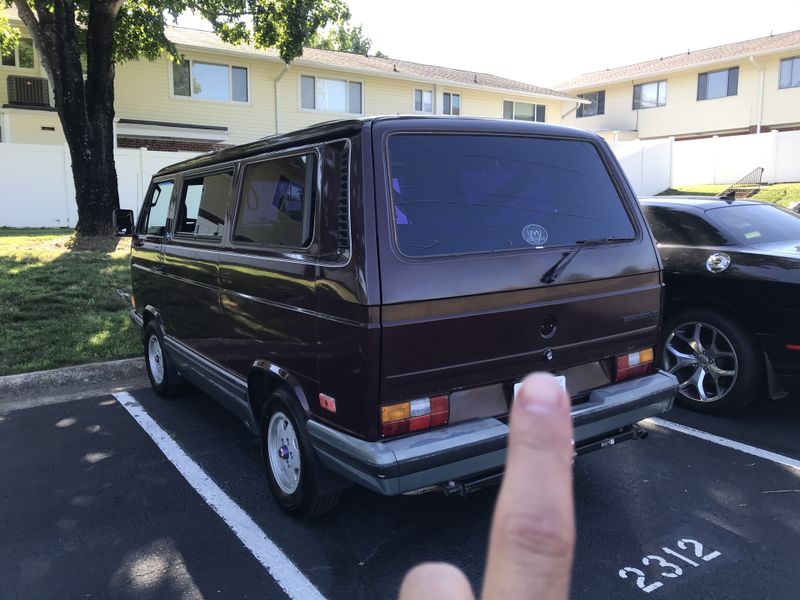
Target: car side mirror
122	219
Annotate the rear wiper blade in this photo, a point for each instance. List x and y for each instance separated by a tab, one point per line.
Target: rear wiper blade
557	269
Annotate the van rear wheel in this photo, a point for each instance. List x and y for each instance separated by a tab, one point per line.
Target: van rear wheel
164	377
289	458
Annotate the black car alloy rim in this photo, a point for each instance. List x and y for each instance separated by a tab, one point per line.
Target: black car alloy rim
703	359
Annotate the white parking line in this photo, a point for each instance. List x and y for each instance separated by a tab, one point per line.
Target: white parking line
722	441
293	582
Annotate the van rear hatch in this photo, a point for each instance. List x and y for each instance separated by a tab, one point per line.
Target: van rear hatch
506	248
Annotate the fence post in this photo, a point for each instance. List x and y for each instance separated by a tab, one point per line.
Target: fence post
142	183
67	177
715	152
773	156
672	162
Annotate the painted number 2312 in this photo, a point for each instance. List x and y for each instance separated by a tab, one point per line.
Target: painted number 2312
668	569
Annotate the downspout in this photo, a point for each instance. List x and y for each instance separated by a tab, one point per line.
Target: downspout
277	109
571	110
760	94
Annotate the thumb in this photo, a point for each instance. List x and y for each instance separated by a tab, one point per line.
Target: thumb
533	529
436	581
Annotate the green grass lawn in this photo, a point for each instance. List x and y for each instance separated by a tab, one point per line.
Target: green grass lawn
58	300
778	193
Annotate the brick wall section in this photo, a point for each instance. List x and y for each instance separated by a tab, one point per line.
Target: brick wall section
169	145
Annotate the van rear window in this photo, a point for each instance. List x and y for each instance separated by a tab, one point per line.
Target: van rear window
464	194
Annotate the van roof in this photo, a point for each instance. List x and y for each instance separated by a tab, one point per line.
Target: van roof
346	127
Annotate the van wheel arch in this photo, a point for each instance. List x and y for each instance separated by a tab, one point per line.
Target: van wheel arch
262	381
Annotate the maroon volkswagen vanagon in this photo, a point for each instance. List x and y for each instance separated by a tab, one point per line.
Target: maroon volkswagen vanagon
366	294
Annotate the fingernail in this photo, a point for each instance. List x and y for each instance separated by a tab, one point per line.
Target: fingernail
540	394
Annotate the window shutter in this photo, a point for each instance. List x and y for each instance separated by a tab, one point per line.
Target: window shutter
307	92
508	109
637	97
601	102
733	81
540	113
702	86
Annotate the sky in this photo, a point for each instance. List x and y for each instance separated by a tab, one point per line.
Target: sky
547	42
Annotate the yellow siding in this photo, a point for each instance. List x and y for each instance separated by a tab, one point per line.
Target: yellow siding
685	115
781	106
143	91
5	71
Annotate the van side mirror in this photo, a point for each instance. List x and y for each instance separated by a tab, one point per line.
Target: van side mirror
122	220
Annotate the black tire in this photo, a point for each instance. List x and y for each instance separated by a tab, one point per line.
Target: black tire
734	392
167	383
305	499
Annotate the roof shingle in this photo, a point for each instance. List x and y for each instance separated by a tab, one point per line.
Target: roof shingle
762	45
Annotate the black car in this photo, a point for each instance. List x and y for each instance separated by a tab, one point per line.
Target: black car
732	312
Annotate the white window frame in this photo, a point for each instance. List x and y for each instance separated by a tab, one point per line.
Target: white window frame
460	104
780	68
514	109
414	101
16	66
301	108
641	85
193	98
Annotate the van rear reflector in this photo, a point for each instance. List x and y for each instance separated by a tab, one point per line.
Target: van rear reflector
414	415
633	365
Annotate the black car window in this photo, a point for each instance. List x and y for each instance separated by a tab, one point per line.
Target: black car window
463	194
757	223
203	205
276	206
155	219
676	226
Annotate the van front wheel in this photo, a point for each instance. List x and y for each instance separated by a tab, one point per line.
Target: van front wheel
289	458
164	377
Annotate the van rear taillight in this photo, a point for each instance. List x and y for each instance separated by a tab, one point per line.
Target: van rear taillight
633	365
414	415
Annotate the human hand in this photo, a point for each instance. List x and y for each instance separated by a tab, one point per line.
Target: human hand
532	538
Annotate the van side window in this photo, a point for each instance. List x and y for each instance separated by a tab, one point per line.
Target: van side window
204	203
155	220
276	207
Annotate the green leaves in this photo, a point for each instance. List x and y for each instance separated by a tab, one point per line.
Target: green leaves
9	36
344	38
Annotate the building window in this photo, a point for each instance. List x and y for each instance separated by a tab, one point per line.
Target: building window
21	56
330	95
718	84
650	95
790	72
423	101
276	207
209	81
451	103
597	106
523	111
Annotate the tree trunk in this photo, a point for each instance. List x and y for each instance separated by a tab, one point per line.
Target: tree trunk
85	107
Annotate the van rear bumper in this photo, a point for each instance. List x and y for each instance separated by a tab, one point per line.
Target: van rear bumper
463	450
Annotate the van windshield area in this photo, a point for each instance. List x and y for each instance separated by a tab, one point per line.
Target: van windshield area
465	194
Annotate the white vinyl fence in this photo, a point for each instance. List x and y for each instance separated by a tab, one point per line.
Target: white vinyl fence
36	187
36	182
655	165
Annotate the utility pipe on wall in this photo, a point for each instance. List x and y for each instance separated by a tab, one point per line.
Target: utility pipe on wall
760	93
277	109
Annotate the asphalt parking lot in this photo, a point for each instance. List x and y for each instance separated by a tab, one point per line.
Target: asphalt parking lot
90	507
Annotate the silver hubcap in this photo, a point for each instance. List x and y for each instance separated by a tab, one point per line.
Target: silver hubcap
703	360
156	359
283	451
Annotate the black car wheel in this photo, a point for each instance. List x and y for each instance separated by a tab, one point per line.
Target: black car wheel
164	377
716	361
289	458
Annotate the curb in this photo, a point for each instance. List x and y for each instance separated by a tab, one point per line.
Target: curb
71	380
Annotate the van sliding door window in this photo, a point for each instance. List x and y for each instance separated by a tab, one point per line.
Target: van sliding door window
155	221
276	207
465	194
203	205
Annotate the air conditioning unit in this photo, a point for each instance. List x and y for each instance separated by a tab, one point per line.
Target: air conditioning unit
28	91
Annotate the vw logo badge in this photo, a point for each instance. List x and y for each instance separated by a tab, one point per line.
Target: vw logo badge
535	235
